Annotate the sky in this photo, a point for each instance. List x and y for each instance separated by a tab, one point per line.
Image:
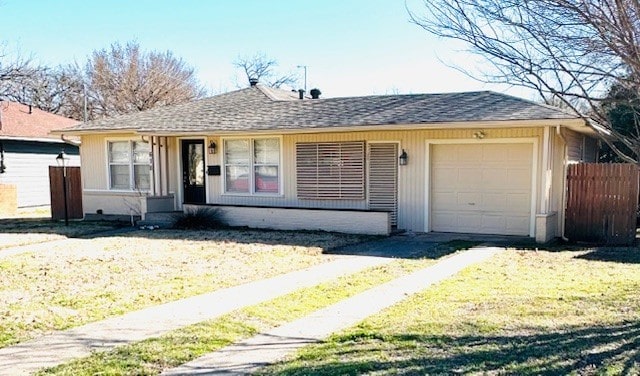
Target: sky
350	47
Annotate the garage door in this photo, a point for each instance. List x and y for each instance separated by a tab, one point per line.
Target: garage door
481	188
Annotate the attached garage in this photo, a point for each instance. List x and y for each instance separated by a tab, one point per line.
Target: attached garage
483	188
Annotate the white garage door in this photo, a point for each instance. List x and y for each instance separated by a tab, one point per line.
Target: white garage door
481	188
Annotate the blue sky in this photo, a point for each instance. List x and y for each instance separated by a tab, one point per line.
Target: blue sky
351	47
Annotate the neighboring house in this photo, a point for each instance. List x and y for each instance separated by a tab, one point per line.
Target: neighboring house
27	150
475	162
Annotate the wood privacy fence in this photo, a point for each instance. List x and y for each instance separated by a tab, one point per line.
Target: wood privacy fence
74	192
602	201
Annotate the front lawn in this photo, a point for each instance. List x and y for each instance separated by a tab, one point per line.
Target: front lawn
154	355
522	312
83	280
24	231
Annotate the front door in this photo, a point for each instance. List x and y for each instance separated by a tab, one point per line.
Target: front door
193	177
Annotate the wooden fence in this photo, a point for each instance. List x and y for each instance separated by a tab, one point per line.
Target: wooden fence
602	203
74	192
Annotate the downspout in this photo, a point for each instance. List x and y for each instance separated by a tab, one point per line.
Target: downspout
564	182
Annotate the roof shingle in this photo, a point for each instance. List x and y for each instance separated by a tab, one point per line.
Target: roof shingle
260	108
18	120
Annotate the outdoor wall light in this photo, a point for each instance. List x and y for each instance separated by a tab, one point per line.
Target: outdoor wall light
212	147
479	135
403	158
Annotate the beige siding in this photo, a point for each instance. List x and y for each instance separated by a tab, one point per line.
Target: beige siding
411	178
94	162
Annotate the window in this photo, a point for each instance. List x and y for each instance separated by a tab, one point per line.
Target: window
129	165
252	166
330	170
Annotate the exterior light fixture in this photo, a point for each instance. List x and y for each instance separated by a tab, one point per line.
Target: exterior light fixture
62	161
479	135
403	158
212	147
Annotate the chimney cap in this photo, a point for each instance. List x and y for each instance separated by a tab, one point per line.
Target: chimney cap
253	81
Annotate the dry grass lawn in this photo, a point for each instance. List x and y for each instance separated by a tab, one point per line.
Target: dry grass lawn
32	230
61	285
520	313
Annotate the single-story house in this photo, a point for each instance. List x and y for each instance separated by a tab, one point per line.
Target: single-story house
471	162
26	152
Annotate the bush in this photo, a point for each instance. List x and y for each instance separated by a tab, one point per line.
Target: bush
201	218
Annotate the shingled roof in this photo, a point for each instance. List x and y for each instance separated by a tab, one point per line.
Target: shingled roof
258	108
19	120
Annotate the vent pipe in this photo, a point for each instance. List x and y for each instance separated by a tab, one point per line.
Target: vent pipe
301	93
253	81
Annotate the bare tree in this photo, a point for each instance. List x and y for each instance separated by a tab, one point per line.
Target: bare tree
48	89
118	80
124	79
570	50
13	70
261	68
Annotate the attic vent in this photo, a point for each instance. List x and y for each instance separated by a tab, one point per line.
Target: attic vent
253	81
315	93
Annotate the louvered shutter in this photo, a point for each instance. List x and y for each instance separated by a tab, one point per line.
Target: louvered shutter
383	178
330	170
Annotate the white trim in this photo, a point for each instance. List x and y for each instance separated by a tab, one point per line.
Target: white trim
130	140
534	173
545	183
251	193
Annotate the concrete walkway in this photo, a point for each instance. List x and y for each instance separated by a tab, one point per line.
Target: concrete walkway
60	347
267	348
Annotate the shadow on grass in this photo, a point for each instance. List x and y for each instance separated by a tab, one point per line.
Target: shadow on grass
40	225
626	255
583	350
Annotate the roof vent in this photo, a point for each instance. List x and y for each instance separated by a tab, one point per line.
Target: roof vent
315	93
253	81
301	93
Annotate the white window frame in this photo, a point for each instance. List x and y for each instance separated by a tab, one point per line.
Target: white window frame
131	165
252	165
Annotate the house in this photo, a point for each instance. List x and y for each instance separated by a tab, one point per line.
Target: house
472	162
26	152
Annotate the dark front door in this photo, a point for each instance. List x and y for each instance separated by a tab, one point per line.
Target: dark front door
193	176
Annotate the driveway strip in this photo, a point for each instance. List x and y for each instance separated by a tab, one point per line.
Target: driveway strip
269	347
51	350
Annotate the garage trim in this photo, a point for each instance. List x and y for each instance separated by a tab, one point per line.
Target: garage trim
534	173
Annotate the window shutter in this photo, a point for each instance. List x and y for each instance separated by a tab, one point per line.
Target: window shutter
330	170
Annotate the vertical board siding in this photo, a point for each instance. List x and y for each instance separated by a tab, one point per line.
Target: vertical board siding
74	192
602	200
411	178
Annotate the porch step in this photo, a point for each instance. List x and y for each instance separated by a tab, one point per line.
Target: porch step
160	219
